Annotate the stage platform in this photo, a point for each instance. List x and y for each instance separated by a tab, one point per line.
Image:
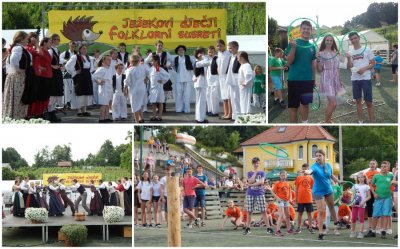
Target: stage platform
11	221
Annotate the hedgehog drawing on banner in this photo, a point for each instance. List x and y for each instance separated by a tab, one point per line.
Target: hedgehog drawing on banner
80	30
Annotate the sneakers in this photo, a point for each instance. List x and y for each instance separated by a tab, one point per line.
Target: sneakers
360	235
311	230
378	84
278	233
326	231
247	231
321	236
336	232
197	222
270	230
282	104
352	234
383	235
158	225
389	231
189	226
203	224
298	230
290	231
370	234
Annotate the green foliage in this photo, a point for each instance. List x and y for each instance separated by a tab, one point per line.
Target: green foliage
355	166
8	174
233	140
76	233
11	156
246	18
273	36
389	32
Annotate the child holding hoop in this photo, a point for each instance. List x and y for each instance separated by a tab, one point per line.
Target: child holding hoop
362	196
322	190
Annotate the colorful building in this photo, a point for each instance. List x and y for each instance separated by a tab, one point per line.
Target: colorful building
295	145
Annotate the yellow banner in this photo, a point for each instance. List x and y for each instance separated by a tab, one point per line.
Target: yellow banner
190	27
83	178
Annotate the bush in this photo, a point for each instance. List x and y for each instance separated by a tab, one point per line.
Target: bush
76	234
37	214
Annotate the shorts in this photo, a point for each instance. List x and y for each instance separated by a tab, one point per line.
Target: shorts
320	197
394	68
155	198
282	203
136	201
277	82
300	92
377	70
200	201
188	201
382	207
253	200
362	87
145	201
307	206
370	205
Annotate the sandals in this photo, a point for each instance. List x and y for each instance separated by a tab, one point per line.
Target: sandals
156	119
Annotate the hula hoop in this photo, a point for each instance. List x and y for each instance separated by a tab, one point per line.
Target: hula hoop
353	192
261	145
315	107
304	18
361	35
339	46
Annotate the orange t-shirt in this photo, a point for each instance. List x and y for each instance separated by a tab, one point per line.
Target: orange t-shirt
369	175
315	216
272	208
282	190
292	213
344	210
304	186
244	216
233	212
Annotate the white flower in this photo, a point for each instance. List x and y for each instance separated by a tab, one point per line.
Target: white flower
38	214
112	214
8	120
251	119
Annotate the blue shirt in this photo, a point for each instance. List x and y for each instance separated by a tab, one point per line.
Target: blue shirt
378	59
322	180
201	191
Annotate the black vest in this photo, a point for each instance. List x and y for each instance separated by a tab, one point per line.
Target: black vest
163	60
114	82
188	63
56	59
25	60
62	192
214	66
125	59
236	65
81	189
79	62
198	71
68	55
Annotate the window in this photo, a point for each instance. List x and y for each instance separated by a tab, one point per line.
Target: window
327	153
282	129
300	152
314	151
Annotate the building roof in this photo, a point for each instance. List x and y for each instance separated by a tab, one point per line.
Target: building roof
288	134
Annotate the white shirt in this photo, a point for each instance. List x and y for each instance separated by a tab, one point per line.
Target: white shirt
201	80
163	182
145	188
232	78
70	66
169	59
223	61
15	57
361	193
246	76
62	56
212	80
228	183
118	83
135	78
51	51
184	75
156	76
361	60
32	190
156	188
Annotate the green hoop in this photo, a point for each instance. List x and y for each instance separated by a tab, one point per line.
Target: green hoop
339	45
315	107
304	18
361	35
354	195
261	145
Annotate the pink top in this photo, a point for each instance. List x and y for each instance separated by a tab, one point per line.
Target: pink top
188	185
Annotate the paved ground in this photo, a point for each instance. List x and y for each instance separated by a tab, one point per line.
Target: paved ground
212	236
385	97
169	117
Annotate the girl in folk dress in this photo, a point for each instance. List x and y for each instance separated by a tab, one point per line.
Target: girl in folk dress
127	195
19	68
103	77
56	207
119	108
80	66
330	74
96	204
135	86
105	196
158	77
246	77
41	198
200	84
31	200
113	194
18	201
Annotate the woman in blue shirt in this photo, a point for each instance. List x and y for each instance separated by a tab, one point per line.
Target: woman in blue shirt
322	190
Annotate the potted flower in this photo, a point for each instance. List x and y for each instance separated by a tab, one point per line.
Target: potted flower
37	215
112	214
75	234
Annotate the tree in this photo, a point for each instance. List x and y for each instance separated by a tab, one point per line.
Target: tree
106	155
61	153
8	174
11	156
43	158
273	36
232	142
126	156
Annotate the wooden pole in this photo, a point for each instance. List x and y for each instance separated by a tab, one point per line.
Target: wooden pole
174	217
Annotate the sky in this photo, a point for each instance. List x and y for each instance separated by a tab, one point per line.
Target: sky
330	13
84	139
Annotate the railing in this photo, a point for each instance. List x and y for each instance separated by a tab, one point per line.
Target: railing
200	160
285	163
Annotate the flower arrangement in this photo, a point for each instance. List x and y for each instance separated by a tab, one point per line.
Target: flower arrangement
8	120
112	214
76	234
39	215
260	118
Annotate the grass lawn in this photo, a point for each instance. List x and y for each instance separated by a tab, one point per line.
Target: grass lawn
385	101
212	236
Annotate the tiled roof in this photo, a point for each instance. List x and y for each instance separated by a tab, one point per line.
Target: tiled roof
288	134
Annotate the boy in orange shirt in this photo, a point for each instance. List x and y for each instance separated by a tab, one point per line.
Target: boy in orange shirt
281	191
303	189
344	215
234	213
272	211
